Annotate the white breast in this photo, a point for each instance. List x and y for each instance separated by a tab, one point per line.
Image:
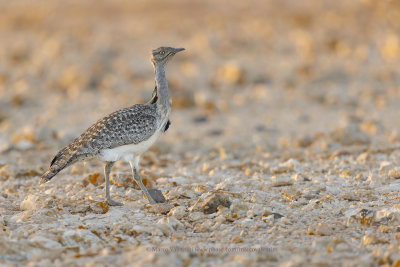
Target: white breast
128	152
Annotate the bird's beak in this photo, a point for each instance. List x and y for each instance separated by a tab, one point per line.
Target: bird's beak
176	50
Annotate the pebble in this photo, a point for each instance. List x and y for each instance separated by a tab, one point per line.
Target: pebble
321	229
44	242
178	212
211	203
80	238
281	181
385	166
203	227
168	225
31	202
160	208
394	173
99	207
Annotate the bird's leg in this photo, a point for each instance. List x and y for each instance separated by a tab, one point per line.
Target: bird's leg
138	179
107	169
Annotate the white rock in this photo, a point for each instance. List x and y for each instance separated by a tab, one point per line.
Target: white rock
174	222
250	213
292	163
394	173
124	227
387	215
195	216
385	166
178	212
220	219
43	242
24	145
79	238
323	229
168	225
281	181
31	202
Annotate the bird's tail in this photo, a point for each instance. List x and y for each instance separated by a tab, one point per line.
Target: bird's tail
59	162
48	175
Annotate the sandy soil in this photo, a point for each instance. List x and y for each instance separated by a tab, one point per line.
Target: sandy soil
284	147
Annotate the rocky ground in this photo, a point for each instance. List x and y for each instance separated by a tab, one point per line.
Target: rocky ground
284	148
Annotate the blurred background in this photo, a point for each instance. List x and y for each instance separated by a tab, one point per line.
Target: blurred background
255	74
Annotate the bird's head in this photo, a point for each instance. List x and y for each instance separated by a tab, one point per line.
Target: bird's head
162	55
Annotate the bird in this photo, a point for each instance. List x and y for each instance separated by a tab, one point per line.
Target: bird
124	134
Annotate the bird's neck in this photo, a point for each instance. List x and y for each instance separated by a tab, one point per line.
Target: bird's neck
162	87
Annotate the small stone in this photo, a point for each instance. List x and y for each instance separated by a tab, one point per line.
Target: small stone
79	238
363	157
237	239
45	243
99	207
394	173
277	215
211	203
168	225
31	202
350	196
385	166
364	216
178	212
369	240
203	227
281	181
292	163
323	229
160	208
7	171
195	216
387	216
280	169
24	135
220	219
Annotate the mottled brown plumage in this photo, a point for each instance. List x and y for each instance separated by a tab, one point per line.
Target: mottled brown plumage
124	134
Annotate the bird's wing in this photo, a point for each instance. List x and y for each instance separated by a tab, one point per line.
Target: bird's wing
127	126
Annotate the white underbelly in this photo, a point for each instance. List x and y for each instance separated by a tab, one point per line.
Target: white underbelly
128	152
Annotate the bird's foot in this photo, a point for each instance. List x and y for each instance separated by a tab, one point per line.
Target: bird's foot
156	196
114	203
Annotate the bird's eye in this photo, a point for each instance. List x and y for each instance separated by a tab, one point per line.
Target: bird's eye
162	52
